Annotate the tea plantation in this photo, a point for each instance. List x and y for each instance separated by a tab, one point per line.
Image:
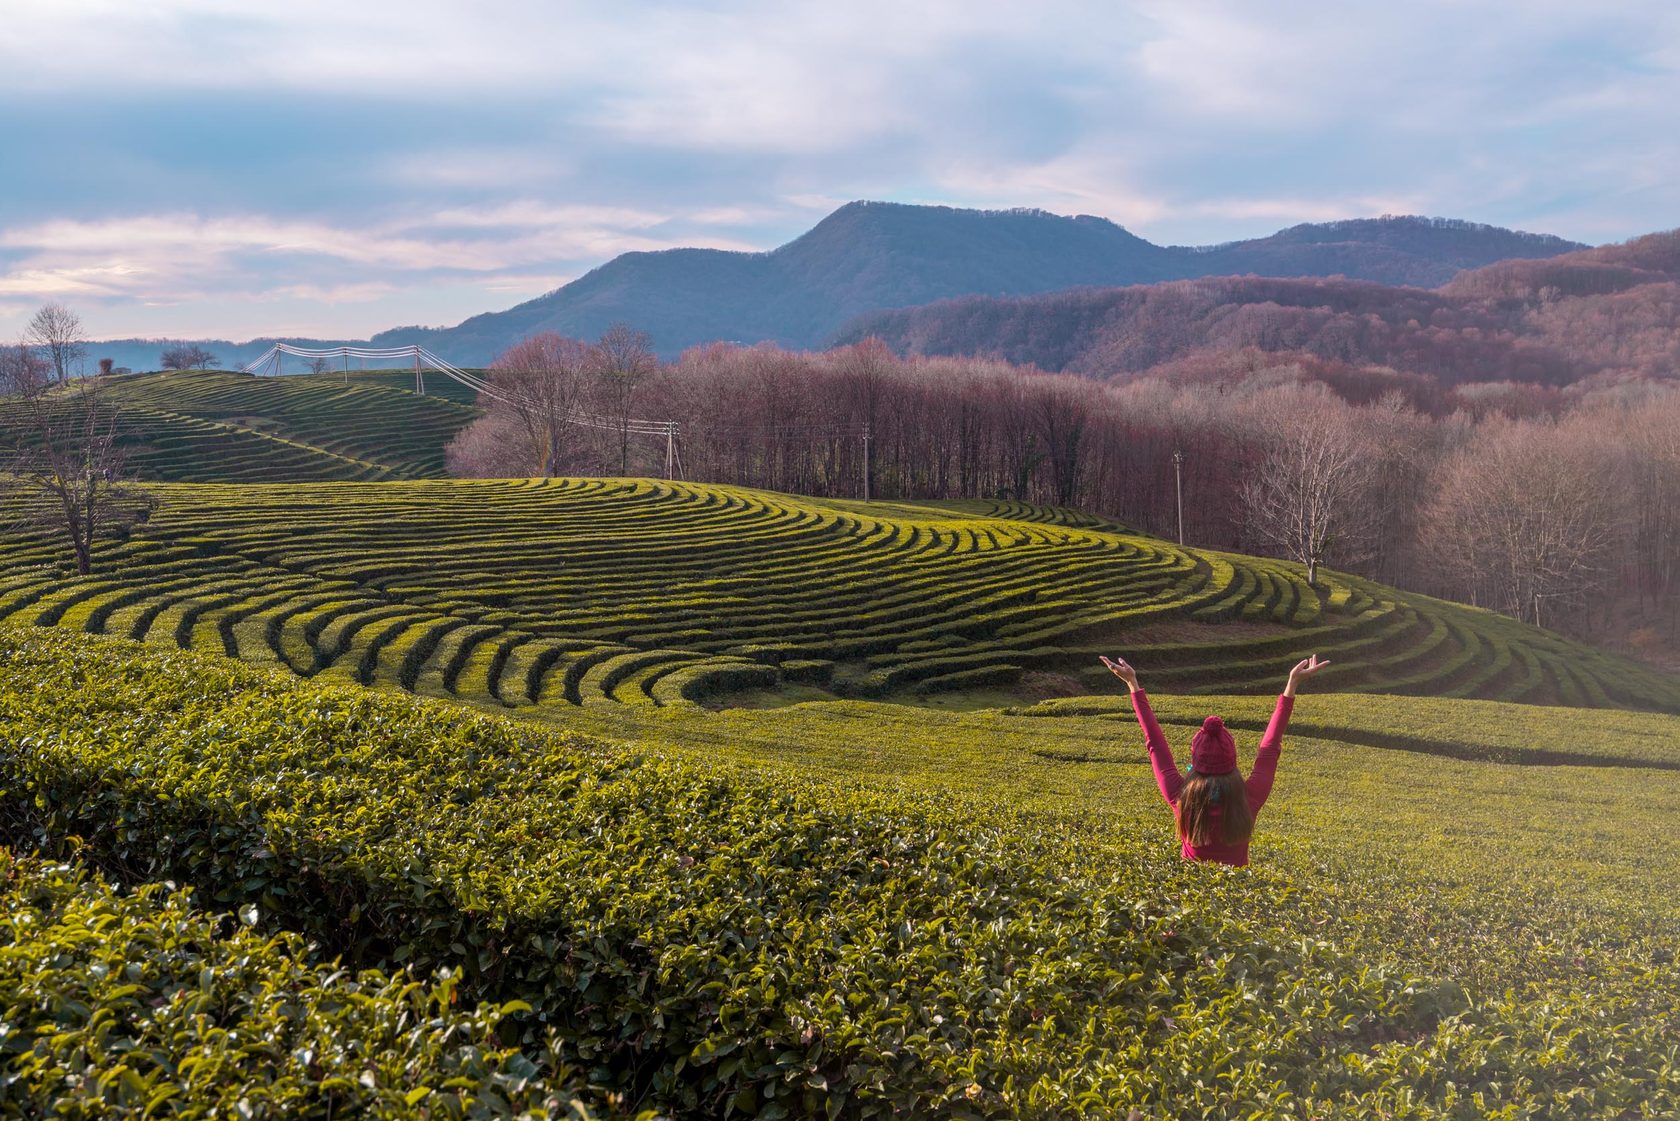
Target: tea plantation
771	807
204	425
705	938
650	594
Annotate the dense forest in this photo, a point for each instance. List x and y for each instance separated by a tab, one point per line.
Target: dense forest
1558	505
1597	313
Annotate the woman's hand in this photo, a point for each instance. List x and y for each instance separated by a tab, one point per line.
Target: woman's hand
1305	668
1121	669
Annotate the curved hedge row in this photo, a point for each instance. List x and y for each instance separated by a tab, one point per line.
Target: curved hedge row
213	426
161	444
371	418
582	591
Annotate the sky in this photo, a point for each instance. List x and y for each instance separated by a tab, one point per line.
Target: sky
210	168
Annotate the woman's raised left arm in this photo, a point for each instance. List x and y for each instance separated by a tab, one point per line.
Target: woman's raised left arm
1260	779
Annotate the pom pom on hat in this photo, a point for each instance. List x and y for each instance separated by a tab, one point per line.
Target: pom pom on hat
1213	752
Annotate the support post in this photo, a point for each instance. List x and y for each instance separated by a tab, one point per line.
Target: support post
419	381
670	449
866	463
346	365
1178	484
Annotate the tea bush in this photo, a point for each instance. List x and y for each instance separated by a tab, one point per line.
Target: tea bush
118	1004
708	940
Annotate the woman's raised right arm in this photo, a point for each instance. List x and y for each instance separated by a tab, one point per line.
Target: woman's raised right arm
1161	760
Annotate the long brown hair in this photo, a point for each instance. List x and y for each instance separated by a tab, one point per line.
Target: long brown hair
1197	800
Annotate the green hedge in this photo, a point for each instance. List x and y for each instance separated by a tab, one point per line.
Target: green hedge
118	1004
701	941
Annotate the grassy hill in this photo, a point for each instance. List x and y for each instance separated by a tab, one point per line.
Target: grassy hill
642	593
206	425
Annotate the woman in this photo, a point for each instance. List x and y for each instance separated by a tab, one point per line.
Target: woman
1214	806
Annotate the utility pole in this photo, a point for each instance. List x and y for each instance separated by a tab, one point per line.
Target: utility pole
1178	483
419	379
346	353
866	463
670	448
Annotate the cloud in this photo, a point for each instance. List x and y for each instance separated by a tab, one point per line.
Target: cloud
365	292
367	47
525	213
176	258
318	154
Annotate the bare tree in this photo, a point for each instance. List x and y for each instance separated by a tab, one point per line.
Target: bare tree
21	370
1652	432
186	357
63	462
1404	446
1306	494
540	388
57	332
624	359
1022	452
316	365
106	365
495	446
1528	517
1062	411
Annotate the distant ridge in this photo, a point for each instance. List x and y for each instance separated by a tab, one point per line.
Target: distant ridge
1606	312
869	256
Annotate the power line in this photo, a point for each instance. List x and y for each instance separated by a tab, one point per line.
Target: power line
640	426
637	425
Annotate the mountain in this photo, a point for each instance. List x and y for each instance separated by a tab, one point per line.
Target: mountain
872	255
1609	311
868	256
862	257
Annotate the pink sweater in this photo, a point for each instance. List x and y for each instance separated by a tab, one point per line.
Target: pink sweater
1171	782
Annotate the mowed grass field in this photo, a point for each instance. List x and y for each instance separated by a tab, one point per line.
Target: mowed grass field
775	807
218	426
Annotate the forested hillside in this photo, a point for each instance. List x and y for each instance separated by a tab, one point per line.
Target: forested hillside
1557	507
1607	311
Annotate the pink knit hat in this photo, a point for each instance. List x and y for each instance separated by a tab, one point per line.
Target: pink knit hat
1213	752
